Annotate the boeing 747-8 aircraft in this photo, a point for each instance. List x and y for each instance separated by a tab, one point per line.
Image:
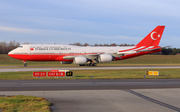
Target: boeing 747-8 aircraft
89	56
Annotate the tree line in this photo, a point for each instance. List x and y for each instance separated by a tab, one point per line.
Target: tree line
6	47
170	51
113	44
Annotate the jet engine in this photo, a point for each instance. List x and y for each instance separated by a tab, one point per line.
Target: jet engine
80	60
105	58
66	62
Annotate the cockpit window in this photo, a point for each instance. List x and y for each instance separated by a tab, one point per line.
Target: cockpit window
20	47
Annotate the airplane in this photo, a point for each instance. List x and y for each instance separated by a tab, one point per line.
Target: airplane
86	55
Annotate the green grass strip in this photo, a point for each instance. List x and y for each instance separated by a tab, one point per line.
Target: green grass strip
22	103
100	74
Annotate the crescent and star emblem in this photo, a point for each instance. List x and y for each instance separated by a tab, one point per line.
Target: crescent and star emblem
153	37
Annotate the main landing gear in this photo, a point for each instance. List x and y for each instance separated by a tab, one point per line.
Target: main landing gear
25	64
92	64
89	64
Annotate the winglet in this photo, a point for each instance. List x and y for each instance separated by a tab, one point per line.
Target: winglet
153	38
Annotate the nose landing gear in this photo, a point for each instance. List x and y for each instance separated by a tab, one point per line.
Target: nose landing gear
25	64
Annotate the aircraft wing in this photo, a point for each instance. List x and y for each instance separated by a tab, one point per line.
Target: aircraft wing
89	56
166	46
116	54
119	54
128	52
69	57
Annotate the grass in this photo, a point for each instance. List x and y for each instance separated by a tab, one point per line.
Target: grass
125	73
6	60
99	74
22	103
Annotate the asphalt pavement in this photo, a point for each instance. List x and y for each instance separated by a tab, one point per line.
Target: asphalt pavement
87	84
12	69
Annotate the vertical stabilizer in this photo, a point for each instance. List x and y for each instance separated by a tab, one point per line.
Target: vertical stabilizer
153	38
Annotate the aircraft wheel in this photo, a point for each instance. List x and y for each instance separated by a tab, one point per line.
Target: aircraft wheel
25	64
94	64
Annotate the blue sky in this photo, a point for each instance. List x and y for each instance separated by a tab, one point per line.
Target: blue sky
88	21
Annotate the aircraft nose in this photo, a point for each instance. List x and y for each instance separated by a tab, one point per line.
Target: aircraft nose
11	52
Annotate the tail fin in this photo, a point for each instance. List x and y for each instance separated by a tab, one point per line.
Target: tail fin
153	38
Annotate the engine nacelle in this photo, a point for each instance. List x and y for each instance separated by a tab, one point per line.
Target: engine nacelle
80	60
105	58
66	62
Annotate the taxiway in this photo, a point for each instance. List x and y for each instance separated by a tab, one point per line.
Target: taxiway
12	69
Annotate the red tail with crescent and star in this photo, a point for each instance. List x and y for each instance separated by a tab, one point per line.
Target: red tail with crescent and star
153	38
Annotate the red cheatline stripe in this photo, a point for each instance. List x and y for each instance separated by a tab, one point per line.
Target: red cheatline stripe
141	48
137	48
